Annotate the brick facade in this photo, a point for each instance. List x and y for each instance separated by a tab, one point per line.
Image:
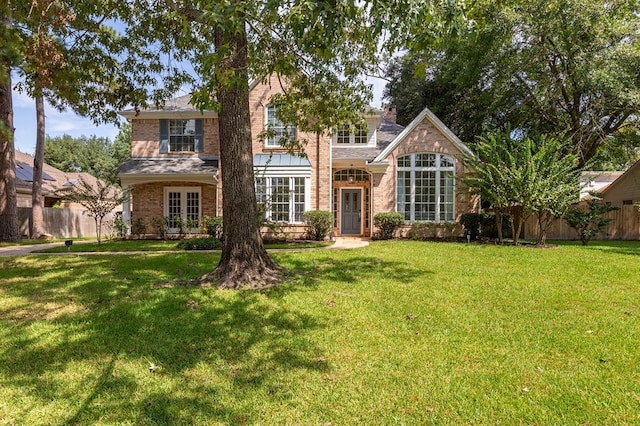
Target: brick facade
377	194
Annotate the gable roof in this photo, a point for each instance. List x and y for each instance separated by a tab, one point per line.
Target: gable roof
621	179
435	121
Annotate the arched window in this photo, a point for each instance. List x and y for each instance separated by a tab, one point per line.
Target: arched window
426	187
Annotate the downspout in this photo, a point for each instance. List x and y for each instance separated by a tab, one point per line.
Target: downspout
317	171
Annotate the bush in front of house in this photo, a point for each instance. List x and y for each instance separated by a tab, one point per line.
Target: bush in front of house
204	243
212	225
138	227
319	224
387	224
473	224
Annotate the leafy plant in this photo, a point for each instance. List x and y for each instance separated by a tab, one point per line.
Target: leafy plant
319	224
589	222
99	198
119	226
204	243
138	227
160	226
212	225
387	224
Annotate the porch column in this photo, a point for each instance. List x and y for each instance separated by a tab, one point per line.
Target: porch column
126	208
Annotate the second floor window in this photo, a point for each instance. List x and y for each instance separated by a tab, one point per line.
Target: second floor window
352	135
181	135
277	129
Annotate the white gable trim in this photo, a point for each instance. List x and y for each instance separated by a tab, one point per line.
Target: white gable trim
426	113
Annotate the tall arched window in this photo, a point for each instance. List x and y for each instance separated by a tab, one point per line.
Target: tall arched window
426	187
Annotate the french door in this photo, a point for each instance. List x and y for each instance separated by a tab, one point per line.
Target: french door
182	207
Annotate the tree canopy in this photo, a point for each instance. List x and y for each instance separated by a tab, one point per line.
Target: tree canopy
97	156
566	68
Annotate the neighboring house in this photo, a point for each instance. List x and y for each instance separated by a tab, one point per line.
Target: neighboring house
596	181
173	170
52	180
625	190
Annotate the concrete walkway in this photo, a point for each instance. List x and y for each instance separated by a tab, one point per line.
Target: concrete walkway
341	243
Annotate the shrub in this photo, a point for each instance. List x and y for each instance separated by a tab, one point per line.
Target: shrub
387	224
421	231
160	226
204	243
319	224
119	226
590	222
138	227
212	225
473	224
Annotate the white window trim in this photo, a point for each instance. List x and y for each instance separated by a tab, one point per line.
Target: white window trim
437	169
183	190
266	128
371	139
289	172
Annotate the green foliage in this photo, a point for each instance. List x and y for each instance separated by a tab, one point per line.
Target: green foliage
319	224
521	177
160	225
425	231
563	68
94	155
204	243
515	331
473	224
100	199
120	226
387	224
139	227
589	222
212	226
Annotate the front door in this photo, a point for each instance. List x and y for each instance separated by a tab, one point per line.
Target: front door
182	209
351	212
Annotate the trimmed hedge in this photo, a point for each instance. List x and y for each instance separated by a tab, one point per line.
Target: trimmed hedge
387	224
319	224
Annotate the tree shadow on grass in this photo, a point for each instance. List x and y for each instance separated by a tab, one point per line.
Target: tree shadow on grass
95	339
350	270
627	248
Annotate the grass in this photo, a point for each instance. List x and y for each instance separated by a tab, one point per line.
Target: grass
158	245
394	333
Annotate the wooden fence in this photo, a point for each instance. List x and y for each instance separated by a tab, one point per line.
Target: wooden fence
625	226
65	223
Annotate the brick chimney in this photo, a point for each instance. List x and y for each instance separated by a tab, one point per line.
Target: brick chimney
390	113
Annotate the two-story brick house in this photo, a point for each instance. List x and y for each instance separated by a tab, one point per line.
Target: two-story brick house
174	169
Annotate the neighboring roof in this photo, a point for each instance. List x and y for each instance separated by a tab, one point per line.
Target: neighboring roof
280	160
620	180
386	133
53	179
169	166
435	121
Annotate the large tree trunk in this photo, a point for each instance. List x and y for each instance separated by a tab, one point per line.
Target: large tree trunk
9	229
244	261
37	201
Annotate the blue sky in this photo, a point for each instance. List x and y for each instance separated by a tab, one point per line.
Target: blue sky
58	124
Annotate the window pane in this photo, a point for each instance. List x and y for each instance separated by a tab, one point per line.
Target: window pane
425	160
447	189
277	128
446	161
404	161
360	134
182	135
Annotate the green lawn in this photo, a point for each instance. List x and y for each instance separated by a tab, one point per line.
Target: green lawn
159	245
394	333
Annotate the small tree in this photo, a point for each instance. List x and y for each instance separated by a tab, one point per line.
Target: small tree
590	222
99	200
